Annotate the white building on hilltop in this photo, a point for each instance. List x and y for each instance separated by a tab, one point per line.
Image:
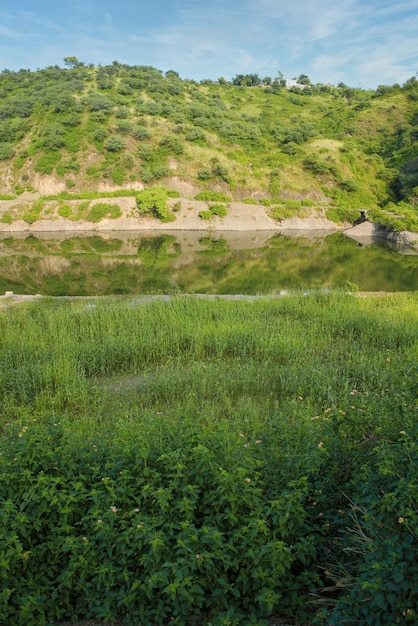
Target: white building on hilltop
292	82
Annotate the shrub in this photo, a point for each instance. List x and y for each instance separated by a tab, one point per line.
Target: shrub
34	213
212	196
122	113
144	532
349	185
172	143
316	166
6	151
375	558
218	209
6	218
204	174
154	201
123	127
100	210
114	143
339	215
100	134
196	135
140	132
64	210
222	172
98	103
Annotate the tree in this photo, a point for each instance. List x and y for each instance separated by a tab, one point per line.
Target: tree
281	78
72	62
246	80
304	79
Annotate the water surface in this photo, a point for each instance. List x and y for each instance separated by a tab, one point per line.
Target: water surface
199	262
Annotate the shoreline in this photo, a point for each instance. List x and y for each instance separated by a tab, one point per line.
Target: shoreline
13	299
240	217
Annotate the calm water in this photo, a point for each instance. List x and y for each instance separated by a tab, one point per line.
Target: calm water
196	262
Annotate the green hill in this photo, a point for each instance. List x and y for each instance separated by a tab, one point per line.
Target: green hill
87	128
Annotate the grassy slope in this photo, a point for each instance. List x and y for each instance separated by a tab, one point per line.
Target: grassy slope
120	125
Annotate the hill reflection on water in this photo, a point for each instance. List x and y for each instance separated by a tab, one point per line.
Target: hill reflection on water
200	262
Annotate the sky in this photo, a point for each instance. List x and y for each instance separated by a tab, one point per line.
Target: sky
362	43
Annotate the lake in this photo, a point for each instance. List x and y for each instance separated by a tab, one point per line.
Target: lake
200	262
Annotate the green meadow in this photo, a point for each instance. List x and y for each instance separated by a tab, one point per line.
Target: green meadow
205	461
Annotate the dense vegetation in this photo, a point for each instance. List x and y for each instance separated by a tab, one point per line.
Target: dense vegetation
214	462
247	138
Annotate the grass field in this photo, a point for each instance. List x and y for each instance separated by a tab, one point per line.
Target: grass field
209	461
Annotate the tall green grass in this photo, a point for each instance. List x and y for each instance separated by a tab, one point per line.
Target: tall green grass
172	458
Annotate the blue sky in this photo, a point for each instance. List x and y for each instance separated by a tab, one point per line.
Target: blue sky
362	43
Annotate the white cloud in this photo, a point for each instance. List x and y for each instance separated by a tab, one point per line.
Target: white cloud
368	41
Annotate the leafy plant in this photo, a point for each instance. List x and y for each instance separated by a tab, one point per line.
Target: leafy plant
6	151
100	210
114	143
154	202
213	196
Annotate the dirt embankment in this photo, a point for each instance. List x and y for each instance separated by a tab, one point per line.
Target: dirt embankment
240	217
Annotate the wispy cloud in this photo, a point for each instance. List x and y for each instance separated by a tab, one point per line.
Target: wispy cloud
353	41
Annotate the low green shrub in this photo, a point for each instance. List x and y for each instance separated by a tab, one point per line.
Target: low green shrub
339	215
218	209
205	214
204	174
6	151
148	532
153	201
372	523
65	210
293	204
114	143
213	196
34	212
397	217
100	210
215	209
6	218
280	212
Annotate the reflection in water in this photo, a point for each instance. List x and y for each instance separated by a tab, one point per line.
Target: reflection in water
199	262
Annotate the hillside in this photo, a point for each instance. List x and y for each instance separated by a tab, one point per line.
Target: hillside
90	129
